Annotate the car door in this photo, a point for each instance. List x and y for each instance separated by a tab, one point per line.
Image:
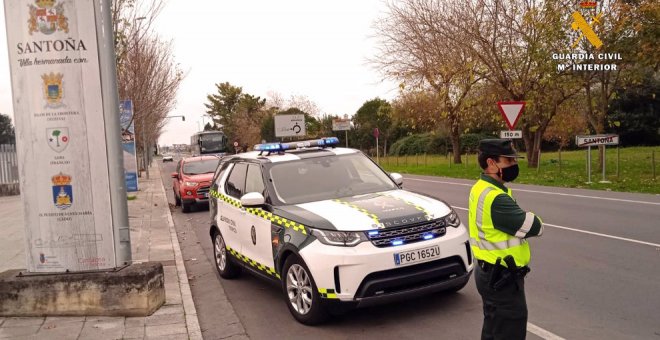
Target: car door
259	247
229	211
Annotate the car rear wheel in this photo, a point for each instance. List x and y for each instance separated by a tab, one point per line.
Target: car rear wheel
225	267
301	292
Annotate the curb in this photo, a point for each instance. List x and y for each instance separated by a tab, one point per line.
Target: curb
192	323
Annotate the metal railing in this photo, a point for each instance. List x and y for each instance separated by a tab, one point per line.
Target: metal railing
8	170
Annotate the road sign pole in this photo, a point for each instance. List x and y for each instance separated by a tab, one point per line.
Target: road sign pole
604	163
589	165
377	158
346	134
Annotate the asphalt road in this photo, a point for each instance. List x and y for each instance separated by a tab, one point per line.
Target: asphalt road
595	275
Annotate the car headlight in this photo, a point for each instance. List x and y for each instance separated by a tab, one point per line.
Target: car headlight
191	184
452	219
339	238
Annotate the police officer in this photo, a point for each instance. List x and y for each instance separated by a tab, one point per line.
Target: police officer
499	228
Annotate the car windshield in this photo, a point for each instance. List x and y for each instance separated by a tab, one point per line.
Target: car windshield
327	177
200	167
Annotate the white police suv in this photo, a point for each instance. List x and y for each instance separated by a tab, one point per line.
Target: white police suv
333	228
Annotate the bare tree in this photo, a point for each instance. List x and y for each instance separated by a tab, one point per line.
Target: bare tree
418	46
146	70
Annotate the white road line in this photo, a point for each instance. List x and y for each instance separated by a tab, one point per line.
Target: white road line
540	332
591	233
542	192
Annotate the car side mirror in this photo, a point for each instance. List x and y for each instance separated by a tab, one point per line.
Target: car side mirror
253	199
397	178
175	175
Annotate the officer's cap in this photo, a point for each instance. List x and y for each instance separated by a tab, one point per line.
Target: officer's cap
498	147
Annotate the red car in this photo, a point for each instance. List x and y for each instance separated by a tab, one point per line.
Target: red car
192	180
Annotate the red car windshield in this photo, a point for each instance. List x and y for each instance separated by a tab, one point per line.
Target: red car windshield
200	167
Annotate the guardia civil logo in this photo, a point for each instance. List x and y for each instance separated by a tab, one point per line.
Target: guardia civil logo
47	17
58	138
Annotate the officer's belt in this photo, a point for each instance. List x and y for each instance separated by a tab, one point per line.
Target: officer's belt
486	267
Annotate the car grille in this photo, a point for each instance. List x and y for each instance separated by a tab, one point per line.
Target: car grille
408	234
411	277
202	192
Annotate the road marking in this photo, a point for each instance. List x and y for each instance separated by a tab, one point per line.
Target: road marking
538	331
544	192
591	233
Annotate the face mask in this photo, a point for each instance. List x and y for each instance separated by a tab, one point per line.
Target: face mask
509	173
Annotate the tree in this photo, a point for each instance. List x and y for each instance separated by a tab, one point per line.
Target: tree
635	112
374	113
241	115
514	40
146	70
222	107
7	134
419	47
629	28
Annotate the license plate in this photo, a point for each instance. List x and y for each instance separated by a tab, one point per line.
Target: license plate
205	195
417	255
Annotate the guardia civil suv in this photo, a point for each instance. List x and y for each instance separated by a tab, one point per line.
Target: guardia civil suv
333	228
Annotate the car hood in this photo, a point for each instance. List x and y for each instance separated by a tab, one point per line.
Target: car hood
198	178
383	210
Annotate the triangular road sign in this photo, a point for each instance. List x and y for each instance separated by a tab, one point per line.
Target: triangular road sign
511	112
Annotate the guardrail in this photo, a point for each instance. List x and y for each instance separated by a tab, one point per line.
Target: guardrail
8	170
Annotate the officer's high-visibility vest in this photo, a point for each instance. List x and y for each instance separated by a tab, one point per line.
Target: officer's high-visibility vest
488	243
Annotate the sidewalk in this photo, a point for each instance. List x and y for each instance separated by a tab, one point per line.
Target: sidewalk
153	238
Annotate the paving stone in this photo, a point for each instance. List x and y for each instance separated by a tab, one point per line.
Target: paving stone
168	337
134	333
60	330
165	319
13	332
102	329
23	321
161	330
169	309
134	322
64	319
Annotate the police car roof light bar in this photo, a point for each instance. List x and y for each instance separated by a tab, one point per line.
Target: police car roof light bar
280	147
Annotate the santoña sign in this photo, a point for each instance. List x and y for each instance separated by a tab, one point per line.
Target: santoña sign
582	141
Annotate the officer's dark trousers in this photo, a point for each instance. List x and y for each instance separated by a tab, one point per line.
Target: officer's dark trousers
505	310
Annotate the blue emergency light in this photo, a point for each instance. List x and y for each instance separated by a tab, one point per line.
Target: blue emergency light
279	147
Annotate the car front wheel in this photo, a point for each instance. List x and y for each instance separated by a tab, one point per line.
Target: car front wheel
186	207
177	200
301	292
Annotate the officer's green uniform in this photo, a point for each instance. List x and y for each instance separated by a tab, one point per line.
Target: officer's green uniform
498	227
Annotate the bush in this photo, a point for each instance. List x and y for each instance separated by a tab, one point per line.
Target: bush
419	144
470	141
435	143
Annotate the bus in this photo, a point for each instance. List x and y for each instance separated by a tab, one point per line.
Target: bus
208	142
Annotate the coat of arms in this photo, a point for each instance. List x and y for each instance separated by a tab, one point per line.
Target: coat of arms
62	191
58	138
53	90
47	17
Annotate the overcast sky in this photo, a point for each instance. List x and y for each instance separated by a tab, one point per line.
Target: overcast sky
318	49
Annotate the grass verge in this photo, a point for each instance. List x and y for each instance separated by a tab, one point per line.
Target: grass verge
627	169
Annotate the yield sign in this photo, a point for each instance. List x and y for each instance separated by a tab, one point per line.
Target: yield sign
511	112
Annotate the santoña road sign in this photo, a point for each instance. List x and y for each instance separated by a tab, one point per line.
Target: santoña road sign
582	141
